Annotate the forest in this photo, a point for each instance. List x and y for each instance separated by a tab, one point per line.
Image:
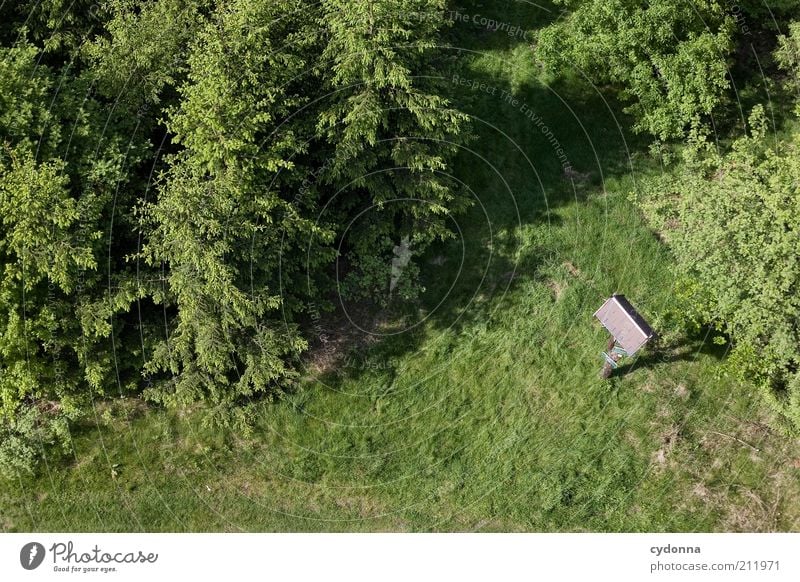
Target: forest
335	263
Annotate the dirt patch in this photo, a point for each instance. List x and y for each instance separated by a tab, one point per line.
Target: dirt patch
682	392
557	288
712	444
701	491
335	335
750	512
650	384
49	407
647	387
572	269
572	175
668	440
742	509
361	505
6	524
750	430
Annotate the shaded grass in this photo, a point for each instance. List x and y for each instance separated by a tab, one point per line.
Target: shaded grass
489	414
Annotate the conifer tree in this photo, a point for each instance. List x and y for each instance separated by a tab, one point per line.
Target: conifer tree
231	226
391	134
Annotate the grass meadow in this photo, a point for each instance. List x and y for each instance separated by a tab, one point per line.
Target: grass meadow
480	408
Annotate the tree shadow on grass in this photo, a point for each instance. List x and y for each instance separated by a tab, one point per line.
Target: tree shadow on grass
687	350
520	182
537	148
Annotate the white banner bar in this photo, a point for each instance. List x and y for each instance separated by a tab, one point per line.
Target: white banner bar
401	557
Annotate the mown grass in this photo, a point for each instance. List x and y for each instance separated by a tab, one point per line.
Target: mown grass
488	414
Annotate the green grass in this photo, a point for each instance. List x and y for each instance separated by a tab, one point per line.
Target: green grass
489	415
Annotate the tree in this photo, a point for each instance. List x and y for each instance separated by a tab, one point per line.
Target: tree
177	177
272	128
733	222
667	58
788	57
142	53
62	187
392	136
57	26
232	223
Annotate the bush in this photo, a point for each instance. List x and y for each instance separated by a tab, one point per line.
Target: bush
733	223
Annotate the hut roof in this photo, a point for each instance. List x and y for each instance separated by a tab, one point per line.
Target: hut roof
623	322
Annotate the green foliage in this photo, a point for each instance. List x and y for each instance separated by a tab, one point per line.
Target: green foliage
182	271
40	261
24	119
24	435
58	193
766	11
58	26
142	51
788	57
667	58
238	218
225	225
391	134
732	220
